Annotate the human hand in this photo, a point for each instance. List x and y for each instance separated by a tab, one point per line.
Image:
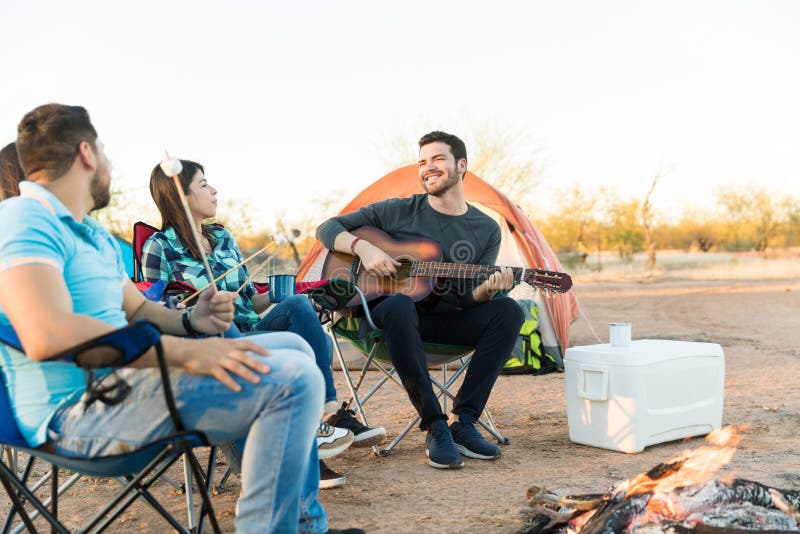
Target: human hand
497	281
214	312
375	260
500	280
223	357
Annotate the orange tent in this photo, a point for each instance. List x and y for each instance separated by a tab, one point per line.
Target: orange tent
523	245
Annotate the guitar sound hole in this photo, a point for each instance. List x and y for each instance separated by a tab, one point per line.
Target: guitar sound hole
404	271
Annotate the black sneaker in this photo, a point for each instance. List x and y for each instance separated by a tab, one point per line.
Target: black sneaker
441	450
351	530
469	441
328	478
364	435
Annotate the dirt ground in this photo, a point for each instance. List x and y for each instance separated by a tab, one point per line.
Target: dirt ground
755	323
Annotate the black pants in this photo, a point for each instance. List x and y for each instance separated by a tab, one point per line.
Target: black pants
491	327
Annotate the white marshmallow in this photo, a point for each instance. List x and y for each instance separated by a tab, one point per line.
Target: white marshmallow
171	166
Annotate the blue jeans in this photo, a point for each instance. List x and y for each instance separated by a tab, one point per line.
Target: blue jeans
277	417
296	314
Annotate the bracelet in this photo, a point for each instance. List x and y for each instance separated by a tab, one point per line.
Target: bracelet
186	318
353	246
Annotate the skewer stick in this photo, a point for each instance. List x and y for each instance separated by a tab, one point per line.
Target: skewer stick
195	235
226	273
243	285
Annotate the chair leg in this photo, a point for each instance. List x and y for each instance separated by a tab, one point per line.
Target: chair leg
53	496
209	483
19	493
204	494
224	479
47	502
386	450
188	484
136	487
348	379
444	381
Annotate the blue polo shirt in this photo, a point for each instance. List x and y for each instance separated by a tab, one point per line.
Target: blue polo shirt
36	228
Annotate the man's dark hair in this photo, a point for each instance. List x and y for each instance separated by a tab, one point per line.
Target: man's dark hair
48	138
457	146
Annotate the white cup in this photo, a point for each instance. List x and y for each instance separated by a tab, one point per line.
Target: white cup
619	334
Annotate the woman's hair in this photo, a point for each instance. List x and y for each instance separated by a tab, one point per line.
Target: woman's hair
11	173
169	204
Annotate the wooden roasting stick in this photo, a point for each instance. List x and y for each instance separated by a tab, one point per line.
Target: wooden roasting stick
172	168
226	273
242	286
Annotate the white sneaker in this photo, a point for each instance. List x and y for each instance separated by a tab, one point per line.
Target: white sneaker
332	440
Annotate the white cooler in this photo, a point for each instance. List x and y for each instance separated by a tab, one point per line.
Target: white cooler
625	398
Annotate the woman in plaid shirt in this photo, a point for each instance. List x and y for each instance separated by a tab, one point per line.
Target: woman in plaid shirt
172	254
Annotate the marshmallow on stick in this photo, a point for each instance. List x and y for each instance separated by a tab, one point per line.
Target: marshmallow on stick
172	167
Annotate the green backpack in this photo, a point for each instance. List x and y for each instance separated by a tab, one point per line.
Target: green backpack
528	355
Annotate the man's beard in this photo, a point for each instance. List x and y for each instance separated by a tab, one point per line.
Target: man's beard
452	180
101	192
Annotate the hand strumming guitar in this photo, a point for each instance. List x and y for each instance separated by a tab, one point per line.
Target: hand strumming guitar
374	259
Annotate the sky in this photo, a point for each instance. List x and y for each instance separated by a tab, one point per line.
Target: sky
287	102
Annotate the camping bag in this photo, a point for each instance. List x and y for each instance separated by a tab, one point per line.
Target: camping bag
528	356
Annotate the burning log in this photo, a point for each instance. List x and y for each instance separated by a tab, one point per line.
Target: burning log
677	497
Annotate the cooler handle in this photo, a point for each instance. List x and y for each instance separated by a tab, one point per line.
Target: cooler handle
593	382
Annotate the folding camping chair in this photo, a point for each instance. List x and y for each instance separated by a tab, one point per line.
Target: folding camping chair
341	325
137	470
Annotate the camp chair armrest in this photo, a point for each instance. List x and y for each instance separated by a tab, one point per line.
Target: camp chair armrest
117	348
121	347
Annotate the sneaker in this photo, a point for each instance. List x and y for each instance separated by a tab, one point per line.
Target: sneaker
365	436
469	441
441	450
328	478
351	530
332	440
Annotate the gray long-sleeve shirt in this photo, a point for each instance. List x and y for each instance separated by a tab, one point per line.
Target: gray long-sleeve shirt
473	237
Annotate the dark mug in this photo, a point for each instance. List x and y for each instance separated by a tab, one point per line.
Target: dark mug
281	286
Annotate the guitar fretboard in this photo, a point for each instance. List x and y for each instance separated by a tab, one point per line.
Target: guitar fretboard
457	270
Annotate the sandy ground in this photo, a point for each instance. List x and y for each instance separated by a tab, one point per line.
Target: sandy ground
756	324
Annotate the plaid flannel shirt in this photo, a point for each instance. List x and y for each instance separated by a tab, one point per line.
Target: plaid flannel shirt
166	257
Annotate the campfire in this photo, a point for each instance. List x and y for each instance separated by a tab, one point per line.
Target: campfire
683	495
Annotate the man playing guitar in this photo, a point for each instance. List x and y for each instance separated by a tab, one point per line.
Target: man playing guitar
462	311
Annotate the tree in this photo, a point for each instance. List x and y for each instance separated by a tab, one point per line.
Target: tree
753	217
508	160
624	231
647	214
791	232
696	229
568	225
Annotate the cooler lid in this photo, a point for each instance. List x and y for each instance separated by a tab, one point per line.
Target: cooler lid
642	352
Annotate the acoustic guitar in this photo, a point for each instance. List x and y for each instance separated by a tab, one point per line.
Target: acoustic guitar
420	268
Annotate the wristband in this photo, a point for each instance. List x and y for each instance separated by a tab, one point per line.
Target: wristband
353	246
186	318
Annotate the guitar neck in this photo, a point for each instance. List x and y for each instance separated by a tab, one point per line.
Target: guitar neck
458	270
537	278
